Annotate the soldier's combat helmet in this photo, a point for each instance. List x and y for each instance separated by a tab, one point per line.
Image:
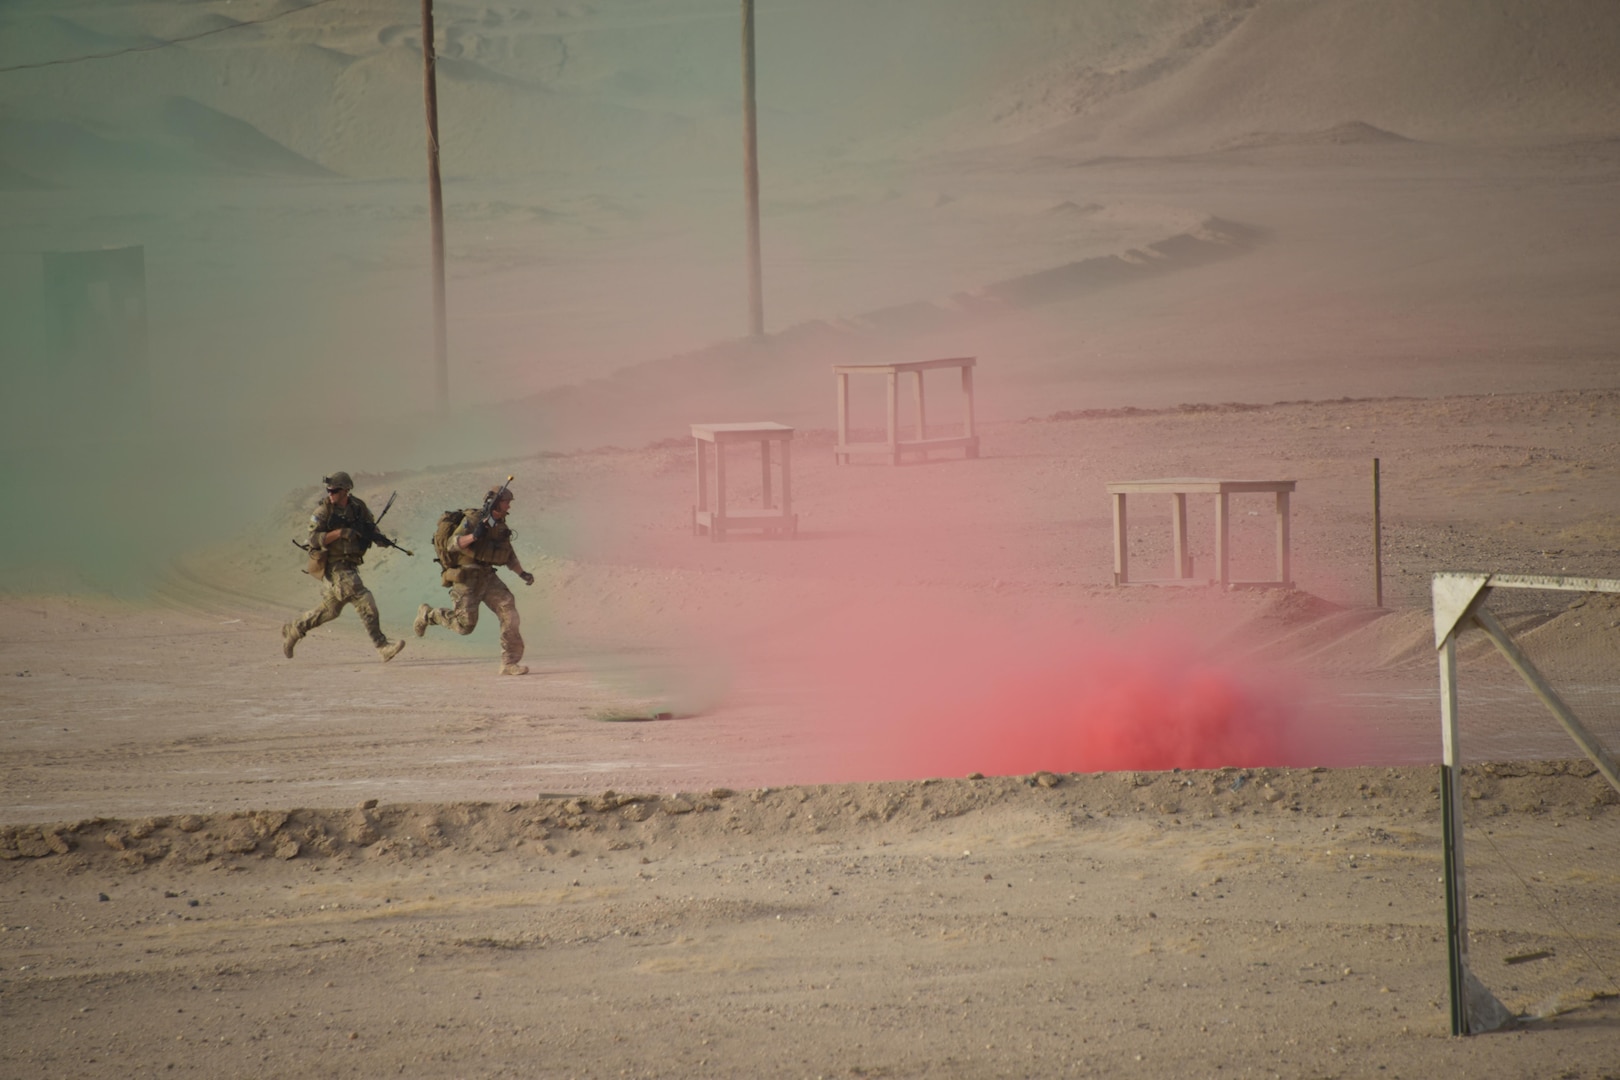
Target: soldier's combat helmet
339	480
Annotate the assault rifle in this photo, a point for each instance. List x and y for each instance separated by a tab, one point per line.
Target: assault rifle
490	502
369	532
375	535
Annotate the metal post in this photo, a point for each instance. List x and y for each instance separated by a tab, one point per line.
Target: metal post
1378	543
430	94
1451	840
756	302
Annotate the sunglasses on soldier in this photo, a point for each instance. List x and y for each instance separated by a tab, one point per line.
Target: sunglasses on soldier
333	491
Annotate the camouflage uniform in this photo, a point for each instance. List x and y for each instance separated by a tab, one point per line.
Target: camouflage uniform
341	584
472	582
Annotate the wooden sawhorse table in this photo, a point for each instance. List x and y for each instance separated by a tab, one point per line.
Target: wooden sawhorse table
719	519
1181	562
893	445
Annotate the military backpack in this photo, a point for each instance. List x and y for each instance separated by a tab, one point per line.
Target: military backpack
446	553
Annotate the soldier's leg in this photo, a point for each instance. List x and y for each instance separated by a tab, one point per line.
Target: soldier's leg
329	608
365	605
462	614
504	605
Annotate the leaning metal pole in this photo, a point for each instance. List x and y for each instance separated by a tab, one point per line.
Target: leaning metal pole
430	94
756	302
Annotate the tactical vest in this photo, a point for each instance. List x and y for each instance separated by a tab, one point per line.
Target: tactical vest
494	548
350	550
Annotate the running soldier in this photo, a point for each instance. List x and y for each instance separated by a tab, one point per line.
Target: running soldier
470	553
340	532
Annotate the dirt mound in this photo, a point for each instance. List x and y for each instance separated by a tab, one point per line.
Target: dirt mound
231	142
1351	133
571	825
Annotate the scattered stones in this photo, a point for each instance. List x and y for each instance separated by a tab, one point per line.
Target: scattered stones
269	822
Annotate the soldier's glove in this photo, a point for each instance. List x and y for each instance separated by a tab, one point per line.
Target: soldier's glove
480	527
528	578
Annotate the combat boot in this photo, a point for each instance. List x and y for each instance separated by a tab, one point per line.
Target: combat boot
391	650
421	623
289	638
514	669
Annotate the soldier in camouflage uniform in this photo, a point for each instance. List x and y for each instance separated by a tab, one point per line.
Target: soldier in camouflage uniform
477	547
340	530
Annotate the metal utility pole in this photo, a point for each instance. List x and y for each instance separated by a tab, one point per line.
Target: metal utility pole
430	94
1378	540
756	302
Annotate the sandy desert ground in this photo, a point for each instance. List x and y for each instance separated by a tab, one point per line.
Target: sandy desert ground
919	792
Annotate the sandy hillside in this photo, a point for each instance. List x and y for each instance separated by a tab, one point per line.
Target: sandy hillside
919	792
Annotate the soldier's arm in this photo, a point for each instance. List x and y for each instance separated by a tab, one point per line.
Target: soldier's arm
323	517
319	535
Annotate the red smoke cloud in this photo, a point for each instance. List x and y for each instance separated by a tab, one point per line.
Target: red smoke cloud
916	694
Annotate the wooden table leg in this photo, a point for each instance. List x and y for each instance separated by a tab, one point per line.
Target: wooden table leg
967	411
922	411
787	486
1121	555
702	486
1178	530
717	524
843	418
894	417
1284	559
765	473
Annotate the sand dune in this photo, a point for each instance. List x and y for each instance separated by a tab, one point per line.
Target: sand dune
1458	71
526	89
231	142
